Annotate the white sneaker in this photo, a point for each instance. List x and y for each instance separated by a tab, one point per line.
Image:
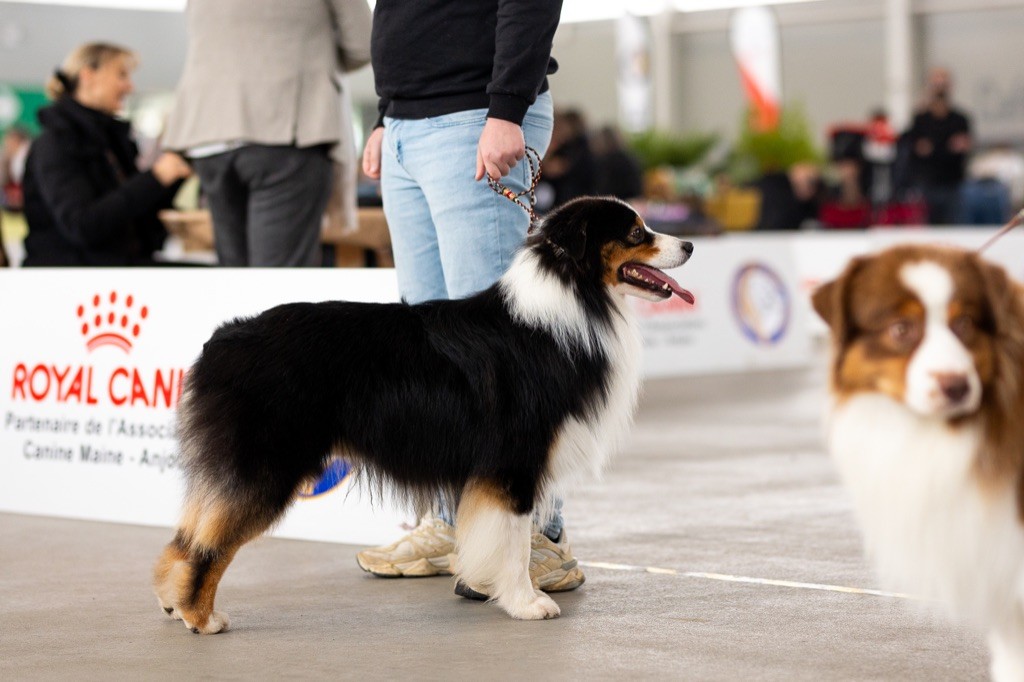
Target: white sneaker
423	552
553	568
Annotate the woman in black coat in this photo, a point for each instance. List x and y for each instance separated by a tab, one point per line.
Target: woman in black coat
86	202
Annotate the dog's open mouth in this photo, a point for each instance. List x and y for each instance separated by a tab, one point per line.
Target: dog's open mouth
653	280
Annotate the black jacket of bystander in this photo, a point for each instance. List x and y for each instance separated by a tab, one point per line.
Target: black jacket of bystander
86	202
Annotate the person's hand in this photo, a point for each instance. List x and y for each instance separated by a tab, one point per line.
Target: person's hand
501	146
960	143
170	168
924	148
371	154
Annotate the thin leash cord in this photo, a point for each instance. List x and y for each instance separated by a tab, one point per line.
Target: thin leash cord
533	160
1015	221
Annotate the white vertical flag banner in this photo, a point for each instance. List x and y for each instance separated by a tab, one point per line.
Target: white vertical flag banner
754	34
633	51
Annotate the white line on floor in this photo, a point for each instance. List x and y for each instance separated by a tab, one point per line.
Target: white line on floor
743	579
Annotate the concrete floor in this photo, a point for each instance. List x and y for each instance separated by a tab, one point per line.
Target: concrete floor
723	475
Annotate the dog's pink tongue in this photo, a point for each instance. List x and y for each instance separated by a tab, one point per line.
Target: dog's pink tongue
673	285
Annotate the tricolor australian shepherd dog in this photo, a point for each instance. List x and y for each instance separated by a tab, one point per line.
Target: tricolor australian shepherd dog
927	427
491	402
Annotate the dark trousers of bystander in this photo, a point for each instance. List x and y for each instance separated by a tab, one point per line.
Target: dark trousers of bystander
267	203
943	203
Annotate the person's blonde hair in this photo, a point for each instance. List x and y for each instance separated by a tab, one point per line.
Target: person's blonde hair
92	55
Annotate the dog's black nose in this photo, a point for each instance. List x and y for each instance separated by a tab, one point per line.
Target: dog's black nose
688	247
954	387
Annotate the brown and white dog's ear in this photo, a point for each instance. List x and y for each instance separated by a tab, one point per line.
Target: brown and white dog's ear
824	301
1005	395
829	300
1006	299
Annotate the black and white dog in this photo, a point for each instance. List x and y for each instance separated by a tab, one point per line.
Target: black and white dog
493	402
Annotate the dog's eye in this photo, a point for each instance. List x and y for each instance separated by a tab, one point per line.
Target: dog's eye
964	328
904	332
636	235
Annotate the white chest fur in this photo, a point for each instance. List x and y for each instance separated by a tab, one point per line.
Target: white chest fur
929	526
538	299
583	446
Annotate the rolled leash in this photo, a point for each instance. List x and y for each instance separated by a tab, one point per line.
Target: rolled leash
533	159
1015	221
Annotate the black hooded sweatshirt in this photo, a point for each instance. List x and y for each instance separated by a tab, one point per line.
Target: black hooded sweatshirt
436	57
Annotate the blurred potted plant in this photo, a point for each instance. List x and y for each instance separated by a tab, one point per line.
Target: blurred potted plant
759	152
657	149
735	204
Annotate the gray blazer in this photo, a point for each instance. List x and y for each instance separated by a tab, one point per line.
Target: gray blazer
264	71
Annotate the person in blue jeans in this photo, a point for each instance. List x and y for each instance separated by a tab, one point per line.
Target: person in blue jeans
463	91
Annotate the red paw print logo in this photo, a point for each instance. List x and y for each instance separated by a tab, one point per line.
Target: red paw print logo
111	321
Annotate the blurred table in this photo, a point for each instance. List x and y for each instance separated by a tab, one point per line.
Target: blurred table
192	238
370	234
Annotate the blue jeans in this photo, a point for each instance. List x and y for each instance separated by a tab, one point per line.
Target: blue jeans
453	236
984	202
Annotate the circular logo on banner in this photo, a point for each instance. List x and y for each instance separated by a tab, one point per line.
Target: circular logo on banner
761	303
337	470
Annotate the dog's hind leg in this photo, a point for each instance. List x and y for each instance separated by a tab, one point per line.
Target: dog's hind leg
191	566
170	562
493	544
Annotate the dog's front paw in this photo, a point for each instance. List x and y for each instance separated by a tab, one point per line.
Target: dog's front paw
541	607
217	622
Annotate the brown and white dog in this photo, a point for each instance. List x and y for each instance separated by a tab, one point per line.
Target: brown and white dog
927	427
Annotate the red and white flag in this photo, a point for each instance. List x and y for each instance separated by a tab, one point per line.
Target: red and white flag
755	45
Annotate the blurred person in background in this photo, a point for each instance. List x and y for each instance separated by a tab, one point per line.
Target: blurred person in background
257	110
789	199
13	155
617	170
994	188
879	152
940	140
1004	162
86	202
845	202
985	197
569	169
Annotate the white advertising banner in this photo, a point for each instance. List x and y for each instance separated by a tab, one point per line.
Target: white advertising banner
92	363
746	316
91	366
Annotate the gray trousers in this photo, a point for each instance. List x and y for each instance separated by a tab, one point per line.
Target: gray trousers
267	203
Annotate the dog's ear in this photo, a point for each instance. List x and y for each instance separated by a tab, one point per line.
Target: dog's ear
829	300
1005	393
567	232
825	302
1005	299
